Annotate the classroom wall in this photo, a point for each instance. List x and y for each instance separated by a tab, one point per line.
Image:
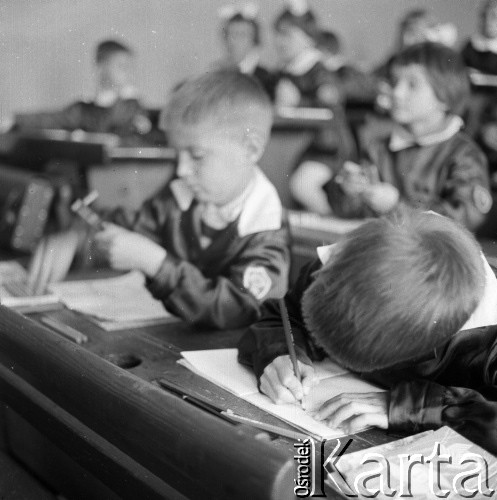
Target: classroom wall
47	45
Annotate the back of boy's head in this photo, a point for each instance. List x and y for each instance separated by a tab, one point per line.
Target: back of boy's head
445	69
224	98
395	290
108	48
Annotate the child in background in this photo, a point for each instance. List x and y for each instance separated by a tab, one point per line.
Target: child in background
404	302
241	34
427	162
480	52
305	81
115	108
212	243
356	85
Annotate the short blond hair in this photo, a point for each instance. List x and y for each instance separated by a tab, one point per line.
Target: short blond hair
226	98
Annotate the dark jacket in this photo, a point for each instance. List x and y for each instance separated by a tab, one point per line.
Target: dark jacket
456	385
448	177
223	285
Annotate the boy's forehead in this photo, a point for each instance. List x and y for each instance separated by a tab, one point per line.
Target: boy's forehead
409	70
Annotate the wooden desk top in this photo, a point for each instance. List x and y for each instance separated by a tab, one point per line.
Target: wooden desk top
134	430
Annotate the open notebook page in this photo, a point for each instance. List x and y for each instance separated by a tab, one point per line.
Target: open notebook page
119	300
221	367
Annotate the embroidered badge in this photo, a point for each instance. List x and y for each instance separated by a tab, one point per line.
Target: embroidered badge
257	281
482	199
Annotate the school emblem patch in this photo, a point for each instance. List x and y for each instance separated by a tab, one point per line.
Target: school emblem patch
482	199
257	281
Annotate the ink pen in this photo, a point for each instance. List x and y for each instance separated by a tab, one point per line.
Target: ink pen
289	338
228	415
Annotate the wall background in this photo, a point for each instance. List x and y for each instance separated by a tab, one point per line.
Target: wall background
47	45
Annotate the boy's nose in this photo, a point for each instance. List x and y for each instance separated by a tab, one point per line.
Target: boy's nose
184	168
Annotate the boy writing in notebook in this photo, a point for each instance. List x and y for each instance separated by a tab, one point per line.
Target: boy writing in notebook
212	243
404	302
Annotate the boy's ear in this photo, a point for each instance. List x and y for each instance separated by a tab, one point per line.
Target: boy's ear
255	143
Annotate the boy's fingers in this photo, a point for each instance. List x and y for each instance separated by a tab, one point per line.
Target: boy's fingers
275	391
308	377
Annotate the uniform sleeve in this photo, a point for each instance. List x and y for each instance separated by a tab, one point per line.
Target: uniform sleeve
465	194
421	405
232	301
265	340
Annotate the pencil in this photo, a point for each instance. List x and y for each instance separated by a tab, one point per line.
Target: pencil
289	338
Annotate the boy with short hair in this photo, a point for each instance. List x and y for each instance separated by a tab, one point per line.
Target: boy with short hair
115	107
404	302
427	162
212	243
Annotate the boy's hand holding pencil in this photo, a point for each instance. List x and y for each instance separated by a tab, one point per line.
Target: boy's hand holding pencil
280	383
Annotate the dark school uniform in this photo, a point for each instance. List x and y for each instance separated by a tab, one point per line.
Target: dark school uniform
454	385
320	87
215	278
481	54
120	115
445	172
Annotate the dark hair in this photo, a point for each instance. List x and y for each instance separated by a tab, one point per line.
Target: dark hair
305	22
240	18
446	72
329	41
108	48
224	96
395	290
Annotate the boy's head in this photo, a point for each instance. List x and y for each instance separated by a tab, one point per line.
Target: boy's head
295	32
113	61
427	78
219	124
394	291
241	35
488	19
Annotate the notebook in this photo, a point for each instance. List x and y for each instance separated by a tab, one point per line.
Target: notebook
418	481
221	367
113	303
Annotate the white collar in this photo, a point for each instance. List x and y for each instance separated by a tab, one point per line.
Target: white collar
248	64
258	208
107	97
483	44
304	62
401	139
486	310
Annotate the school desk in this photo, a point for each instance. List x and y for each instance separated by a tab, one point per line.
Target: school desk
92	429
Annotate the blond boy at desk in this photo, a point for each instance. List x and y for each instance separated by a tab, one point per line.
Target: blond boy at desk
404	302
212	243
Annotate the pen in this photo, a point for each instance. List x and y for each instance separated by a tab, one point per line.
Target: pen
82	208
273	429
227	415
289	338
65	330
196	401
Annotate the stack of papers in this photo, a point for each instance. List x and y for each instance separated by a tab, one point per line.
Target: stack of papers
16	292
221	367
113	303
